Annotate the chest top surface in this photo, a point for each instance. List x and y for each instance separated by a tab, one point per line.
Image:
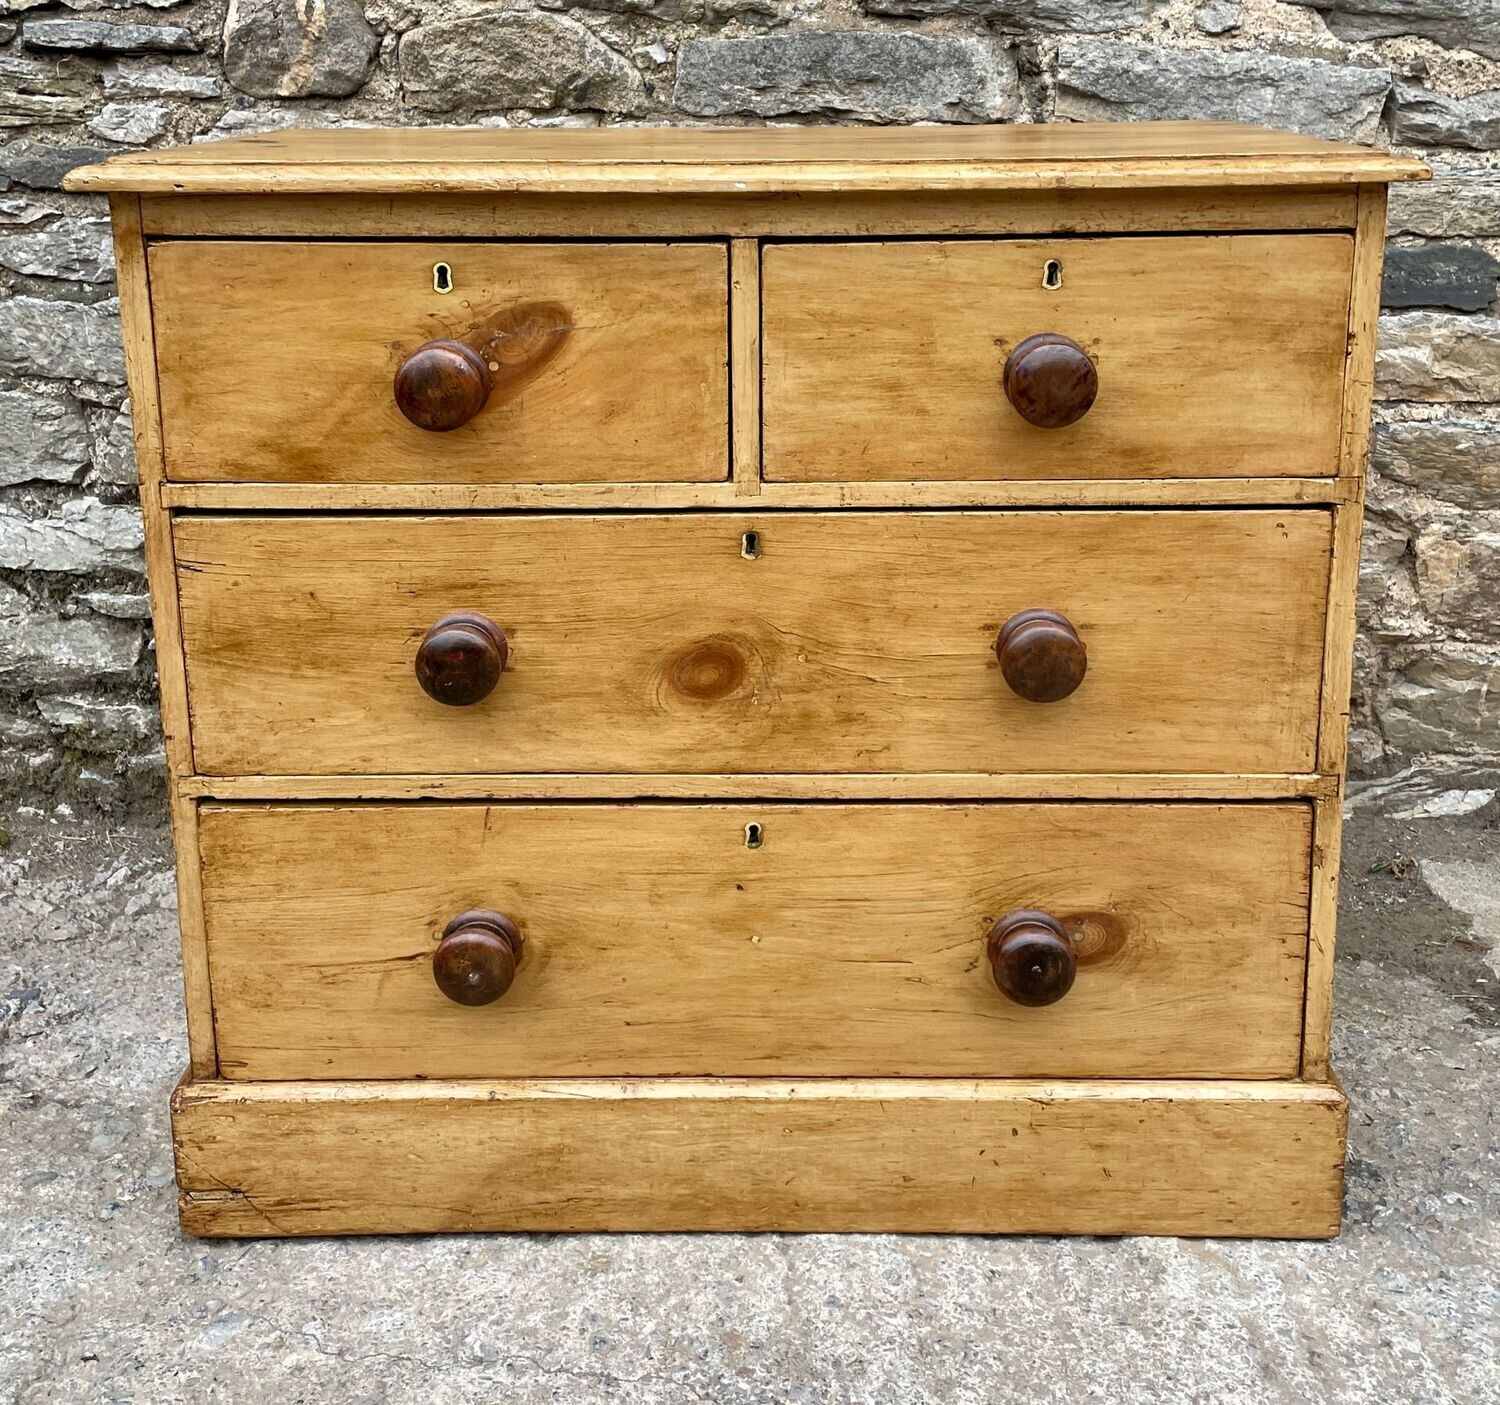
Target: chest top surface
747	160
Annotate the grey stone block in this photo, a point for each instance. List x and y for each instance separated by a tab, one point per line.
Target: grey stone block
131	123
114	450
876	75
42	650
1457	276
1462	200
289	49
79	341
117	604
1066	16
1108	80
1218	17
151	80
98	723
42	165
103	37
1442	699
1458	575
1421	117
1438	356
17	210
42	437
1455	24
78	249
36	92
514	59
1456	460
84	535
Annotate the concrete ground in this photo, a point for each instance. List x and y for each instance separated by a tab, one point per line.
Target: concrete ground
102	1300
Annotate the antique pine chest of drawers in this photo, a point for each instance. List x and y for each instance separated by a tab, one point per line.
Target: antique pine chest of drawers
755	679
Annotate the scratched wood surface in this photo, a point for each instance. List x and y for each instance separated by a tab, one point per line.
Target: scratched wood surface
853	642
277	360
850	941
902	1156
1215	356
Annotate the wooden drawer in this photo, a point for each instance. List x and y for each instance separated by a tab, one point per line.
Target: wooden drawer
277	360
851	941
1215	356
851	642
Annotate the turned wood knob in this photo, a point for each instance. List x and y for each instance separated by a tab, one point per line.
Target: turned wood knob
475	961
1041	656
1050	380
442	385
460	658
1031	957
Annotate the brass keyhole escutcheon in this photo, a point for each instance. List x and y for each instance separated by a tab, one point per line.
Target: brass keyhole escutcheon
1052	275
442	278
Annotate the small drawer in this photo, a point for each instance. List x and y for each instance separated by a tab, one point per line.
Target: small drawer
1120	357
308	362
794	642
488	941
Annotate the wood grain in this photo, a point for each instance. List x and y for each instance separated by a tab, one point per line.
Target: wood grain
857	642
133	281
1216	356
842	213
544	497
1338	652
277	361
744	335
625	160
1186	1158
751	785
851	941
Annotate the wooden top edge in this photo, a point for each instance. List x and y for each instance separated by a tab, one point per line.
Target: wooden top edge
774	1089
638	160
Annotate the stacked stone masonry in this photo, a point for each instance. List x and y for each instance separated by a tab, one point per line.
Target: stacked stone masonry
82	79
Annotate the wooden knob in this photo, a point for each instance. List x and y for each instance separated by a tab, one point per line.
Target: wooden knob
1041	656
1050	380
1031	957
475	961
442	385
460	658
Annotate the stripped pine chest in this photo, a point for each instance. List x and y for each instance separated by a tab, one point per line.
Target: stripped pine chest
747	680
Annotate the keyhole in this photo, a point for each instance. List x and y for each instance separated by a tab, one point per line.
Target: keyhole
1052	274
753	837
442	278
750	545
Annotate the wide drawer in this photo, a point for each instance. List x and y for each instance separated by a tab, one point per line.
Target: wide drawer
1214	355
852	940
277	360
848	642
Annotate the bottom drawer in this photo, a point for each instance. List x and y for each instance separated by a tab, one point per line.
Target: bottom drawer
777	938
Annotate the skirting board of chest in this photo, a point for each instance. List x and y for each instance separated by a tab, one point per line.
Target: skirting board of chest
755	680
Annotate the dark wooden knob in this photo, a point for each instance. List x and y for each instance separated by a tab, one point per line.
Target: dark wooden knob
475	961
1050	380
1041	656
1031	957
460	658
442	385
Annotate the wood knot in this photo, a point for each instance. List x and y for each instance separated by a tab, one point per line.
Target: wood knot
709	669
1096	936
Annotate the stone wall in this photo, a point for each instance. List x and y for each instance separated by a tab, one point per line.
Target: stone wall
81	79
